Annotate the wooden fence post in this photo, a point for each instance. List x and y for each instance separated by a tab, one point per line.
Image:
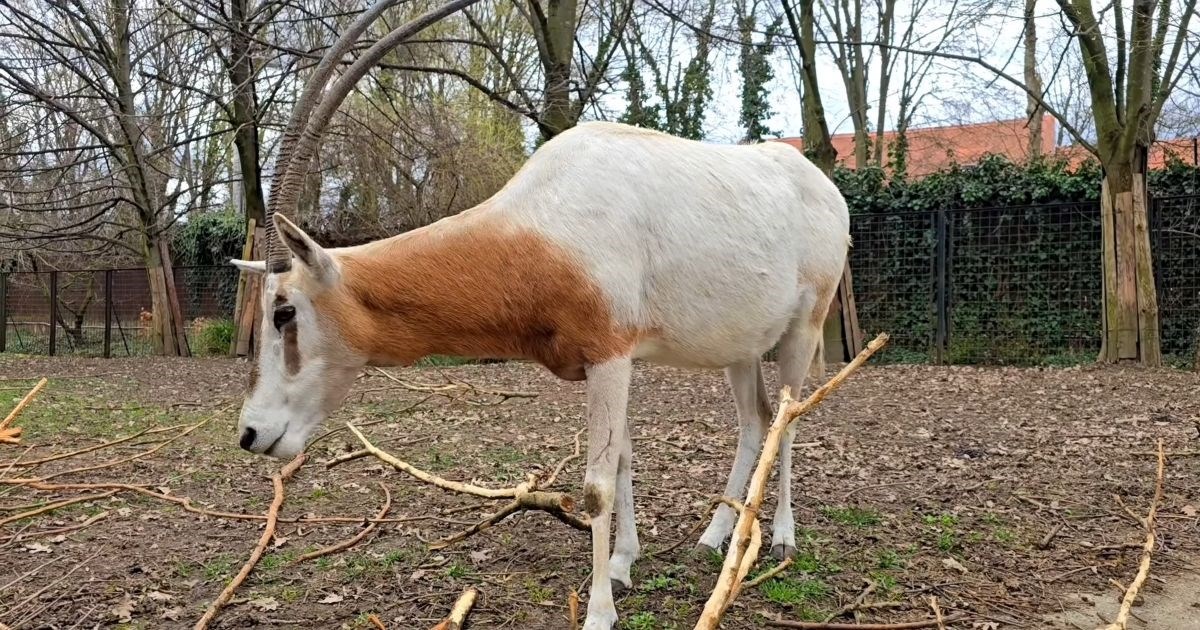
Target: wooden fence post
108	312
3	311
53	310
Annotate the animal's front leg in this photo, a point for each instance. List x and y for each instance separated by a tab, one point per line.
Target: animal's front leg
608	396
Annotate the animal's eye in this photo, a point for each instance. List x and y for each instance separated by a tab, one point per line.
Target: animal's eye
283	315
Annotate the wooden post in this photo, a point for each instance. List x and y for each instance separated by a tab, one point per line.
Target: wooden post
941	340
53	310
177	327
247	251
108	312
3	311
251	304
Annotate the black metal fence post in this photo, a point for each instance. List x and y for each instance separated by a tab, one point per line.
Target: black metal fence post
108	312
942	322
3	311
53	310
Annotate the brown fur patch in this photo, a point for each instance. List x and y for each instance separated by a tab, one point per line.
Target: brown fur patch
591	501
481	290
291	349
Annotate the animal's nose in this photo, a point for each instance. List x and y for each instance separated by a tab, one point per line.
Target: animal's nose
248	438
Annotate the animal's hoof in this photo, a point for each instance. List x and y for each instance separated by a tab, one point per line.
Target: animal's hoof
702	550
619	587
783	552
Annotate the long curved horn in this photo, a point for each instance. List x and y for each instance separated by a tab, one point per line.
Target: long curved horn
306	126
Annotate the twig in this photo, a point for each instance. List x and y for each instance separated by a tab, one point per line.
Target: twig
573	609
743	550
1144	567
44	460
186	503
15	462
820	625
445	389
54	506
1044	543
367	424
374	619
61	530
937	612
346	544
12	415
776	570
858	604
53	583
454	486
123	460
458	614
268	532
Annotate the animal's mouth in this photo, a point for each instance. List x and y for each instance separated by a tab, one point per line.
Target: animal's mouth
271	447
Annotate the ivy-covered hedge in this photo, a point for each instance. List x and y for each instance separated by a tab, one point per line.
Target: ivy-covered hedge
1023	274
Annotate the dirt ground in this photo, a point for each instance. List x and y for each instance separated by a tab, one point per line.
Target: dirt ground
922	481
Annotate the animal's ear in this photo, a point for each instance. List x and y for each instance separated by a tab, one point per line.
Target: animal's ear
252	266
303	248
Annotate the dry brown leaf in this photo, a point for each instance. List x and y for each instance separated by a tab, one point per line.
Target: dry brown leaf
124	610
265	604
160	596
38	548
1189	510
173	614
332	598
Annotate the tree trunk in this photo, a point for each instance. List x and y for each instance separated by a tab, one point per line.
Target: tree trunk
245	114
1033	81
555	32
1130	302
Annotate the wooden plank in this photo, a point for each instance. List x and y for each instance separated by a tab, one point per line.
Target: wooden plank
1149	342
177	327
1127	303
851	331
247	251
1108	264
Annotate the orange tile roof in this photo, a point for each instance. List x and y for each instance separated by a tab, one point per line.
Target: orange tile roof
932	149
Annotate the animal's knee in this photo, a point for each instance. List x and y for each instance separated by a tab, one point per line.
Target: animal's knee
597	498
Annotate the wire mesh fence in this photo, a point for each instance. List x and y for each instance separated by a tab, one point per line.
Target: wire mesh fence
1175	234
109	312
1013	285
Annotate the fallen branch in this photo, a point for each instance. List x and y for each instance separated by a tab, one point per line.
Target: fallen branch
268	532
346	544
776	570
937	613
573	609
907	625
458	614
743	547
13	435
375	621
123	460
1044	543
60	530
1148	550
445	389
525	496
54	506
51	458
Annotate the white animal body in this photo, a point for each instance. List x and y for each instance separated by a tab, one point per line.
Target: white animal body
611	244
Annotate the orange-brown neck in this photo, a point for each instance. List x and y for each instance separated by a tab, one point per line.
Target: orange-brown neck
483	290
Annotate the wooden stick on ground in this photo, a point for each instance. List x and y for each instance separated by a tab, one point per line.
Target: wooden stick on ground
743	547
13	435
458	614
346	544
525	496
776	570
268	532
54	506
573	609
907	625
1147	551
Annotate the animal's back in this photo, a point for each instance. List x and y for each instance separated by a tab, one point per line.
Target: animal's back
712	248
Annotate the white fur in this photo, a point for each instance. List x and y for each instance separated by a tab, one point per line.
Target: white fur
722	251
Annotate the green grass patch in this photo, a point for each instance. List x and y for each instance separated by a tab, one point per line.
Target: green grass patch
794	591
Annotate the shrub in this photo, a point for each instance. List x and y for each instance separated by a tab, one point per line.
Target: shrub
212	336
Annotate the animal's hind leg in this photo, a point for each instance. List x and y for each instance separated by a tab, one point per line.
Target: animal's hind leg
797	356
754	414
